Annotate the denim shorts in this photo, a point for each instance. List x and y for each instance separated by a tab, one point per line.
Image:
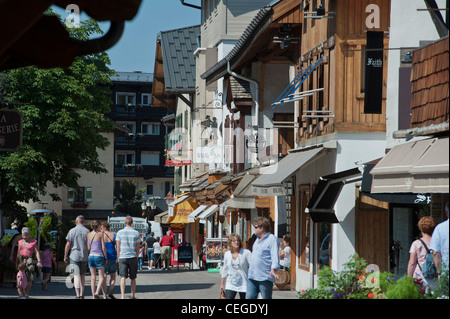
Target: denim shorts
96	262
111	266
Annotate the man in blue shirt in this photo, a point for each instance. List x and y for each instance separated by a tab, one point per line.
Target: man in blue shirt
128	240
264	262
439	243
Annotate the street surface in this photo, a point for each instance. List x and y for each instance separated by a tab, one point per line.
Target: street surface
150	284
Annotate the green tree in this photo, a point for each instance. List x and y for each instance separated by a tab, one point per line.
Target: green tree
63	121
128	199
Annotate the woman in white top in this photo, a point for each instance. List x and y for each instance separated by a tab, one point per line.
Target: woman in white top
235	268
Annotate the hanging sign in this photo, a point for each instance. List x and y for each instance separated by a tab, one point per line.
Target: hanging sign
373	84
10	130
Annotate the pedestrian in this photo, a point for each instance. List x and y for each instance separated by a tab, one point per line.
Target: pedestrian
141	256
97	259
265	261
149	249
111	255
127	251
28	253
285	252
439	244
76	254
48	260
235	268
157	254
166	249
22	281
418	251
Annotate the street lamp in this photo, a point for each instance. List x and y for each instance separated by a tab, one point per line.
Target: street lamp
149	203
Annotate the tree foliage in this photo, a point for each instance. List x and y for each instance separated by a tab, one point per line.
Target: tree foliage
128	199
63	118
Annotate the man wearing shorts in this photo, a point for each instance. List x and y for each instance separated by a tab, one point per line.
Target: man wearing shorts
166	244
76	254
128	240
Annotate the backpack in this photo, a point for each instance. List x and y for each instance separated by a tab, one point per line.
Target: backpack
428	268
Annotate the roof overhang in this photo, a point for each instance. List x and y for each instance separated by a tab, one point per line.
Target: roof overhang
257	40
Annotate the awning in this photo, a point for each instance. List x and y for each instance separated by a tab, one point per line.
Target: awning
271	184
182	210
176	202
200	209
242	196
393	198
289	94
208	212
320	206
162	217
416	167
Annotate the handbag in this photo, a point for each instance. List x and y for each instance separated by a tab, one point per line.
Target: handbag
428	268
222	294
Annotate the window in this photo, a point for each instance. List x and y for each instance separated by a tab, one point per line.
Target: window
129	125
150	158
149	128
124	158
145	98
125	98
79	195
324	242
149	189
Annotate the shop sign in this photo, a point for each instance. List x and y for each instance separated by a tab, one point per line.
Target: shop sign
10	130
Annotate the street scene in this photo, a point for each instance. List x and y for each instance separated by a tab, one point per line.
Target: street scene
212	149
151	284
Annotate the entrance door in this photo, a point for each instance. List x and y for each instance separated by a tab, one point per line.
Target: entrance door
402	236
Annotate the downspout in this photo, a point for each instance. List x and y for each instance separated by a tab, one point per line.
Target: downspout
255	118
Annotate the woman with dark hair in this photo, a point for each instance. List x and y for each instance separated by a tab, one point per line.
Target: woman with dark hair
235	268
418	252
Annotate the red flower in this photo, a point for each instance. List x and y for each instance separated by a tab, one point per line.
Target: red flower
370	295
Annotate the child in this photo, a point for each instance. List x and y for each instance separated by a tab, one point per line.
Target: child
141	256
47	261
285	253
22	281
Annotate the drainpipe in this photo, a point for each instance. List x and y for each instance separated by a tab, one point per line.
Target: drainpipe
255	118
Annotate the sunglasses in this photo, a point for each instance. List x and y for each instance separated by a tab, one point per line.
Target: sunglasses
258	226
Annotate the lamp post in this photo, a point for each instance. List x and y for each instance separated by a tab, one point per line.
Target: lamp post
149	204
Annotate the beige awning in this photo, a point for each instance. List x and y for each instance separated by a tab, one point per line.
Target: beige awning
270	181
416	167
243	195
162	217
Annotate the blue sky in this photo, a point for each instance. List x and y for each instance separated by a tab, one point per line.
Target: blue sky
135	51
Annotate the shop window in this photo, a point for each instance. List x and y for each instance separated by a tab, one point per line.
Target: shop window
324	245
